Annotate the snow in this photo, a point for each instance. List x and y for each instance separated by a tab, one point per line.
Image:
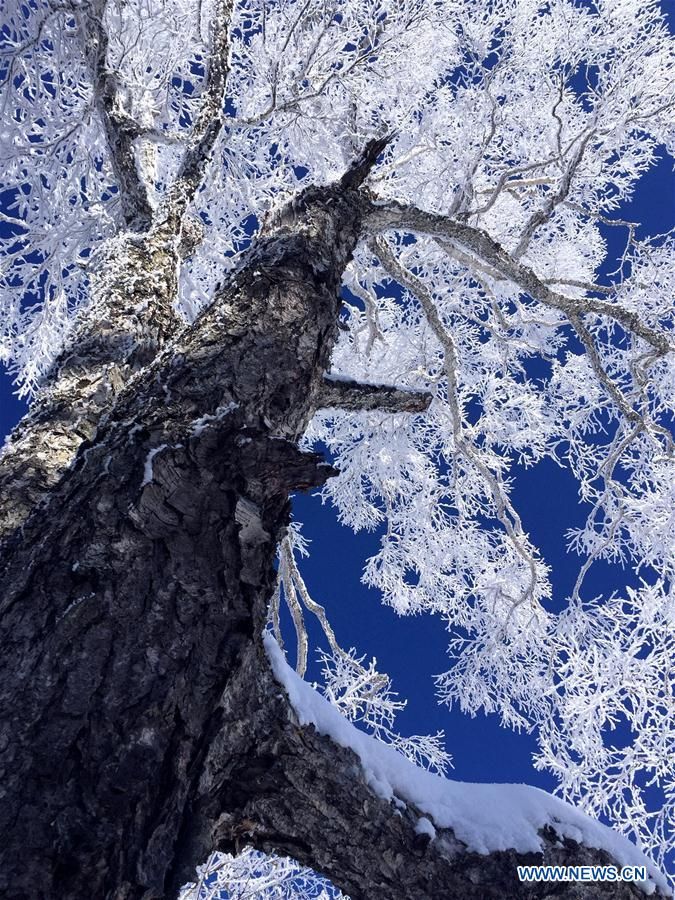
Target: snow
486	817
202	423
424	826
147	467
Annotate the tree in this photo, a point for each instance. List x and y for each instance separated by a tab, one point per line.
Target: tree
187	191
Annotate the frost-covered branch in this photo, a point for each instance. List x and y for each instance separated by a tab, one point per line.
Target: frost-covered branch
210	117
385	215
505	511
360	692
120	127
555	199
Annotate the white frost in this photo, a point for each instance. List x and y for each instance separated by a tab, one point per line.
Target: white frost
486	817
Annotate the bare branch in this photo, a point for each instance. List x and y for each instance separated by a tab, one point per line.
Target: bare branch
293	577
354	395
360	169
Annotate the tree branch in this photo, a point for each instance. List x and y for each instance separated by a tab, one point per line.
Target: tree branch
130	319
555	199
505	511
131	316
301	794
120	129
354	395
361	167
209	122
382	215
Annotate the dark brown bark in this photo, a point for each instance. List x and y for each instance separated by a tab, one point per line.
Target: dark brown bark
129	597
141	726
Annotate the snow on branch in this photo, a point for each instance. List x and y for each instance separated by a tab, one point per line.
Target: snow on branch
252	875
485	817
360	692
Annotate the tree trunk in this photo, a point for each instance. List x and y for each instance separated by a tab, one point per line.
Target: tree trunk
141	724
130	320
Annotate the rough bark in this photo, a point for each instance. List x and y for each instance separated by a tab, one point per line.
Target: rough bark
300	794
349	394
129	596
140	723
